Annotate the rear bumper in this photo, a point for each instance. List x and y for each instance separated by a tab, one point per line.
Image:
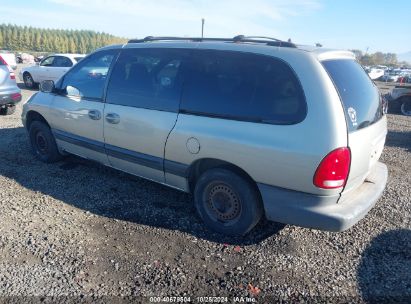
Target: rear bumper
9	98
324	213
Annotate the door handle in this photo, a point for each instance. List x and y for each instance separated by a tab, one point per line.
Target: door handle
113	118
94	114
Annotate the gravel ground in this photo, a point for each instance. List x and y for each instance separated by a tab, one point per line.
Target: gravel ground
76	229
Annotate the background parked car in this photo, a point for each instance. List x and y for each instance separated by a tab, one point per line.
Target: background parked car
400	100
38	58
9	92
375	73
391	76
25	58
50	68
9	58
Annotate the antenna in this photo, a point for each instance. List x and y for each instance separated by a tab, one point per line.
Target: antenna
202	28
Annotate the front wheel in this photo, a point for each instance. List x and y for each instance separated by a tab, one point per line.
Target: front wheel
406	107
43	143
29	81
227	202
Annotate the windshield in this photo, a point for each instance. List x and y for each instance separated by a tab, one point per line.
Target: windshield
358	94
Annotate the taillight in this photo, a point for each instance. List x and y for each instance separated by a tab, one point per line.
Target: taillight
333	170
2	61
12	75
16	96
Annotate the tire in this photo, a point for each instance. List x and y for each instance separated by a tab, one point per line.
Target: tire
8	110
29	81
227	203
43	143
406	107
394	106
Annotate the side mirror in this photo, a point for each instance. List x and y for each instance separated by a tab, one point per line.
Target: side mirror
47	86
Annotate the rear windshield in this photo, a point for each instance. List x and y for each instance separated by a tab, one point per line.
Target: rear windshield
359	95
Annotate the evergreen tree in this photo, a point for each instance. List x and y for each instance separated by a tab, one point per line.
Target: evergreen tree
19	38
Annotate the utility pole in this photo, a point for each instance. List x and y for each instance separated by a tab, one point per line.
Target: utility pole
202	28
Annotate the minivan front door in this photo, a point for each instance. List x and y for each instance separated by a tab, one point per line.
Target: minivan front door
141	109
77	111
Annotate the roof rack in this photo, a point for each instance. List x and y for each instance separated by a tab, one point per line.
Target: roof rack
240	38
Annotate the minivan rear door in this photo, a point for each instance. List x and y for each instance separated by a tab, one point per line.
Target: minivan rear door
141	109
365	119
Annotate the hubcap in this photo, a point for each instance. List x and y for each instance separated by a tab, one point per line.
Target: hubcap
223	203
29	81
41	143
406	108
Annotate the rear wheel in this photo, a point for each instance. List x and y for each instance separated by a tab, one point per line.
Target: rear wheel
43	143
406	107
227	202
8	110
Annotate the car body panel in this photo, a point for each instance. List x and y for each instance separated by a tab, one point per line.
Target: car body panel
8	87
263	150
75	131
7	84
136	143
366	147
321	212
10	58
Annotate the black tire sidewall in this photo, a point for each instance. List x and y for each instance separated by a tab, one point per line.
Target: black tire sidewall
52	154
404	103
8	110
251	206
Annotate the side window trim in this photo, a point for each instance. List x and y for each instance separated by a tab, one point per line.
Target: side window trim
110	71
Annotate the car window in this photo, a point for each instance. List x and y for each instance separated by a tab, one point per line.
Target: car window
88	78
61	61
77	59
147	78
360	97
48	61
242	86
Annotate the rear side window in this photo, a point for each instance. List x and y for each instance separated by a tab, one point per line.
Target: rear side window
147	78
61	61
358	94
242	86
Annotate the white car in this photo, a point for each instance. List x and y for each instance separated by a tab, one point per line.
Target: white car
375	73
50	68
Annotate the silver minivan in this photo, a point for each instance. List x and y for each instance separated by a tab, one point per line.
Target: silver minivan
251	127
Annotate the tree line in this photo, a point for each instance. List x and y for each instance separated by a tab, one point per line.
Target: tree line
378	58
28	39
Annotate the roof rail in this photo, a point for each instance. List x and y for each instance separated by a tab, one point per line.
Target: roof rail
240	38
